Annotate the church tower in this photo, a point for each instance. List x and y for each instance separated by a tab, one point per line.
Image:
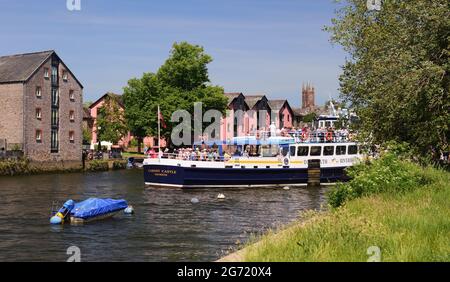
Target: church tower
308	94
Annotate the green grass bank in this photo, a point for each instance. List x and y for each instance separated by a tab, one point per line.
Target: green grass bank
397	206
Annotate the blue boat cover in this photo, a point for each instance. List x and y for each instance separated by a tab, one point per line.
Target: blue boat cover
93	207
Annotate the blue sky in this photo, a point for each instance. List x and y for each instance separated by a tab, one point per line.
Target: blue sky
258	46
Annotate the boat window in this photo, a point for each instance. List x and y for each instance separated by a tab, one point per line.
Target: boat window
292	152
302	151
284	150
315	151
340	150
352	150
328	150
270	150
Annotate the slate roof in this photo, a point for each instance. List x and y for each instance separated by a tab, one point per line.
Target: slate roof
276	105
231	96
251	100
18	68
114	96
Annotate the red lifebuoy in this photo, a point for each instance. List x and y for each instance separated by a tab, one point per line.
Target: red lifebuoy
329	136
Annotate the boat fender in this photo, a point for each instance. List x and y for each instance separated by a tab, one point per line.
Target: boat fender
56	220
63	213
286	188
129	210
221	196
286	161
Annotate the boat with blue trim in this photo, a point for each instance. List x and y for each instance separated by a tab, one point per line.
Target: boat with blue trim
89	210
257	161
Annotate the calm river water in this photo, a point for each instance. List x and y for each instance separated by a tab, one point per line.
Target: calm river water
165	227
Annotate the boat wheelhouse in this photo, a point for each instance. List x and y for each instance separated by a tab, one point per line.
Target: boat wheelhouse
256	162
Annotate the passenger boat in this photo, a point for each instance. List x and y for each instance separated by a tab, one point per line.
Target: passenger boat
275	161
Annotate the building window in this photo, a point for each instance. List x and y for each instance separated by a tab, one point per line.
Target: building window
55	97
55	121
54	141
71	136
38	136
72	95
54	75
64	75
46	74
72	116
38	92
38	113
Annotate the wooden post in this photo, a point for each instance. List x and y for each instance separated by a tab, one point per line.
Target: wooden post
314	173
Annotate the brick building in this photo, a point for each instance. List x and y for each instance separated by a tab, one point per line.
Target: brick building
41	108
148	141
248	114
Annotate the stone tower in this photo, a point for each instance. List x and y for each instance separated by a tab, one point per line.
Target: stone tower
308	96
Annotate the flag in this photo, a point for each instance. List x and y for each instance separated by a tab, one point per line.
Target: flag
161	118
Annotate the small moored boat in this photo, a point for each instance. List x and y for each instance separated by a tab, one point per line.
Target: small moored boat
88	210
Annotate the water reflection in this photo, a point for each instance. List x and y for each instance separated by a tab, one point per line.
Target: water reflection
166	226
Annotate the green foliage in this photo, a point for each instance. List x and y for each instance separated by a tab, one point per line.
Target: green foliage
119	164
87	136
97	165
397	76
111	125
411	226
186	68
15	167
310	117
179	82
134	143
388	174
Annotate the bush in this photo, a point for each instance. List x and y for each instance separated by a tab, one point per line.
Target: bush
388	174
97	165
134	143
119	164
14	167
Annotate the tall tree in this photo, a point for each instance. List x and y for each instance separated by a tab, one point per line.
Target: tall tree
139	100
111	124
180	82
186	68
397	76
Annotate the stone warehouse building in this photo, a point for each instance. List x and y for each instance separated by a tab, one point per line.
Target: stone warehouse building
41	108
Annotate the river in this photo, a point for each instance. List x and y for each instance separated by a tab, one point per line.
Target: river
165	227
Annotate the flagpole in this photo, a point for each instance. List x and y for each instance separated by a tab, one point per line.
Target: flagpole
159	133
